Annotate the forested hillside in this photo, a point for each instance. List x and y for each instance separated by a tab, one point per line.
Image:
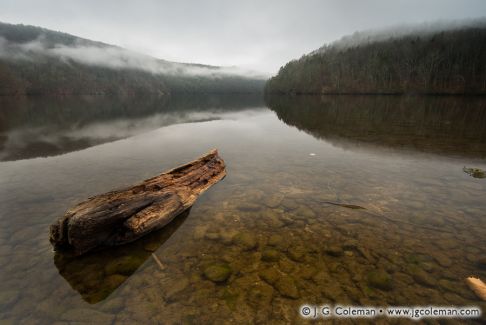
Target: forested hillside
37	61
439	62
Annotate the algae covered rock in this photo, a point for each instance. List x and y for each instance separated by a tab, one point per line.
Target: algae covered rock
297	253
278	242
245	240
260	294
114	280
285	285
217	272
270	255
269	275
380	279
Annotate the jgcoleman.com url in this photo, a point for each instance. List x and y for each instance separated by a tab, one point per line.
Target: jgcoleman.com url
415	313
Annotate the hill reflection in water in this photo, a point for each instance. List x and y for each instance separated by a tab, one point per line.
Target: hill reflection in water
446	125
39	127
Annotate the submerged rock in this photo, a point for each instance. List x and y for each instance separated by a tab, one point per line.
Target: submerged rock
285	265
212	235
285	285
380	279
297	253
307	272
124	265
114	280
422	277
443	260
270	255
260	294
334	250
218	272
227	236
305	212
289	204
250	207
174	290
246	240
200	232
271	218
278	242
269	275
273	201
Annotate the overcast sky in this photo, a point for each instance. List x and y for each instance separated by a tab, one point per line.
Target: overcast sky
259	35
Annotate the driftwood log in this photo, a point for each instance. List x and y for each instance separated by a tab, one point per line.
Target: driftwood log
122	216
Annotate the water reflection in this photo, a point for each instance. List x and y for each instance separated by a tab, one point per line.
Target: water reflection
286	223
95	276
40	127
441	125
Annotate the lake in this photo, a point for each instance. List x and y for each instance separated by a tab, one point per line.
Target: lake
351	200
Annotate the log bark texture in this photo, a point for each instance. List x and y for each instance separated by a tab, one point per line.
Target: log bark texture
122	216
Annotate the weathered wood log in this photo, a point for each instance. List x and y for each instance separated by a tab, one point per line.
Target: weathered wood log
122	216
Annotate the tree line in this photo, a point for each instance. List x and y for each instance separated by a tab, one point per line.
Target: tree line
447	62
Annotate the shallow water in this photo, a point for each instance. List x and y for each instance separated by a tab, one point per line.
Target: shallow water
333	200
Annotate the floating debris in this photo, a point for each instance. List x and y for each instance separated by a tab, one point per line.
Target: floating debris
474	172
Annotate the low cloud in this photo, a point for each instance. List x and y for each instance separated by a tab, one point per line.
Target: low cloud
402	30
111	57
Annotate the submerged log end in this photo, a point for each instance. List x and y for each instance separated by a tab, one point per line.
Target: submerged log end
122	216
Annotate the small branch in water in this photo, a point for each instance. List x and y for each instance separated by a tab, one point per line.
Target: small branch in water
159	263
349	206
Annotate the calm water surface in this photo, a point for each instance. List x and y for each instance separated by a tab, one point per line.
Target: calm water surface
333	200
